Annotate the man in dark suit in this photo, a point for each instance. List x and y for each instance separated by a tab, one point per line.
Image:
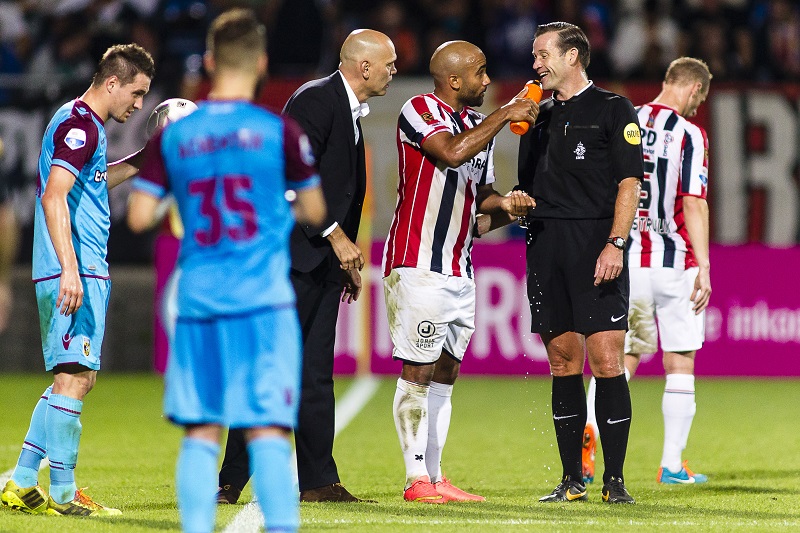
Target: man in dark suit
325	260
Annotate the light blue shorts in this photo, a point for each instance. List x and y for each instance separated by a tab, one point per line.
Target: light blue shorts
77	338
241	371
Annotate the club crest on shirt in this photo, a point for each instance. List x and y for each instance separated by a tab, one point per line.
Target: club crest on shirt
580	151
427	117
75	138
87	347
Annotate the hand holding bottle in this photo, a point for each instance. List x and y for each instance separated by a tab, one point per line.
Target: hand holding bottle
534	92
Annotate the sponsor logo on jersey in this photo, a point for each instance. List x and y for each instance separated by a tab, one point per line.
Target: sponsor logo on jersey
100	176
426	329
632	134
478	162
87	347
76	138
655	225
580	151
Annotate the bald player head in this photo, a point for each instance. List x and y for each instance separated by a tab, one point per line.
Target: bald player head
367	62
459	74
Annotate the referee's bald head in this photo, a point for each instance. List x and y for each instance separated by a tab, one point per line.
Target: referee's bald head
452	58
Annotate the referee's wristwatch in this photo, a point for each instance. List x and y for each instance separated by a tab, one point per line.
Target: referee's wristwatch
618	242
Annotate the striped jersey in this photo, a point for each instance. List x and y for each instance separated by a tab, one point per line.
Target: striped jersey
75	139
675	165
435	212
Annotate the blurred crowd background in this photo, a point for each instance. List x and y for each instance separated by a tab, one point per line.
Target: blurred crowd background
48	48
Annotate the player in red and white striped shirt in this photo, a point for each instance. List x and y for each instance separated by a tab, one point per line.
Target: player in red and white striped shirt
667	253
446	174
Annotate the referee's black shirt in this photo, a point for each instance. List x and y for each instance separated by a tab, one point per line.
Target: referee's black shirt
572	160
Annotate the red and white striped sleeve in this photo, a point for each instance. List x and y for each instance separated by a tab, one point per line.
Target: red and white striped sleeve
420	118
694	164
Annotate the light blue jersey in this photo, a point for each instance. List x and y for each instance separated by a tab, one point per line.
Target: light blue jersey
229	165
75	139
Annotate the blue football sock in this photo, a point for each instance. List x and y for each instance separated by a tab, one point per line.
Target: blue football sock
274	483
63	436
196	480
34	449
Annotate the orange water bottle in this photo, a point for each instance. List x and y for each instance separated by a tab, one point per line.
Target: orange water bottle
534	93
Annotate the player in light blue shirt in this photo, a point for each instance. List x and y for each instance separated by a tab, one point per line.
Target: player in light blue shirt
70	271
236	355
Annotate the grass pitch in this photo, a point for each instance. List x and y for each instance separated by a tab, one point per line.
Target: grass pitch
501	445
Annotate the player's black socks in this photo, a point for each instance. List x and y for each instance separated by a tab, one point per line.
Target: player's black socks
613	409
569	418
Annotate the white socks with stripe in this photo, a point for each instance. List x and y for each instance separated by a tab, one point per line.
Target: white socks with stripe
679	408
439	410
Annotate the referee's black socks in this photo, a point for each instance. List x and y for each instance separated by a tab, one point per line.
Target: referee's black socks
613	409
569	418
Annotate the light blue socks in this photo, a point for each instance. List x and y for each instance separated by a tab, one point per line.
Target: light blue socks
274	483
63	426
196	480
34	449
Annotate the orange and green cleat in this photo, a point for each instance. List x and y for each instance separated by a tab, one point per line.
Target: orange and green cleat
81	505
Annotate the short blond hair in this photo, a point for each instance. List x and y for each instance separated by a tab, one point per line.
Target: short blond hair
688	70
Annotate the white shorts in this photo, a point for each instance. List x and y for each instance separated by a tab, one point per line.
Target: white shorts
663	293
428	312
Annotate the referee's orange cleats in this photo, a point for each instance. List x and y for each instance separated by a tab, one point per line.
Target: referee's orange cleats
423	491
451	493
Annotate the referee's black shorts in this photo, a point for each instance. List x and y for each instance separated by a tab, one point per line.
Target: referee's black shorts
562	256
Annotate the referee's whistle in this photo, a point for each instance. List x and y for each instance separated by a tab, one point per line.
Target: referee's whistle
534	93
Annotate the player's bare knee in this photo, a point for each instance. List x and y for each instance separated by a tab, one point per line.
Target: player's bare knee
421	374
74	385
266	432
606	367
446	369
679	362
207	432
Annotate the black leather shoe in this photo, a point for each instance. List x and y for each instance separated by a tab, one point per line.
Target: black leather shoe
228	494
330	493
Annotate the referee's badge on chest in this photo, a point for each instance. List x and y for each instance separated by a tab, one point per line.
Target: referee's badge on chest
580	151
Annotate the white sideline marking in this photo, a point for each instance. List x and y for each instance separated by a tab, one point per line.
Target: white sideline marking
250	519
5	476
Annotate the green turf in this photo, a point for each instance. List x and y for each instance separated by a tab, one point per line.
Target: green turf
501	445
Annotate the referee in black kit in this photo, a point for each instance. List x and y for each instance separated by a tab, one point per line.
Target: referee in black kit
582	163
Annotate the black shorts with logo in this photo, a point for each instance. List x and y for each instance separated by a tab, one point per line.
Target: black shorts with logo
561	257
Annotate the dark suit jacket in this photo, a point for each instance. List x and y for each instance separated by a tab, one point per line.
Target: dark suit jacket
323	111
